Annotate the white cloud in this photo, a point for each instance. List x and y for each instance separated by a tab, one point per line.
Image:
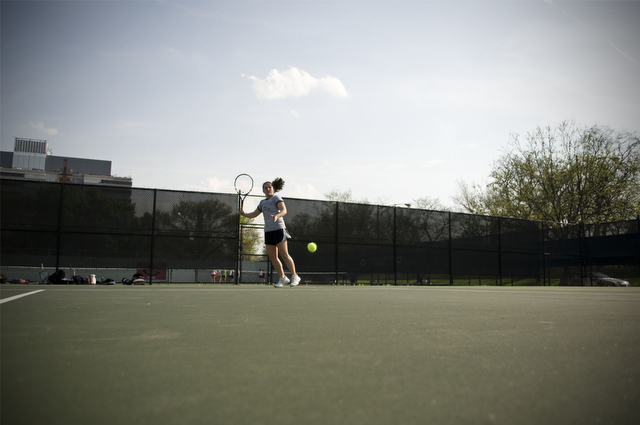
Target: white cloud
304	191
295	82
295	114
214	184
39	126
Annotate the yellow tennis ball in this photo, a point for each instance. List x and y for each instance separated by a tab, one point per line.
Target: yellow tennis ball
312	247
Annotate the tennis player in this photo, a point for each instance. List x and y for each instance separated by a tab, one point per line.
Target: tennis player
275	232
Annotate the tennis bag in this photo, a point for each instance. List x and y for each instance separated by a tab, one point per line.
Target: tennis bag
79	280
138	279
56	277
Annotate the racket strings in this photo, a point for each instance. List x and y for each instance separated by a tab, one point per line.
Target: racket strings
243	188
243	184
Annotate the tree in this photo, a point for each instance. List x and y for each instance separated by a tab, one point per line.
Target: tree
428	203
565	175
336	195
197	230
347	196
251	237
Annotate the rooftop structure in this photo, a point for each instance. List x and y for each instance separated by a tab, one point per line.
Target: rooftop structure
32	160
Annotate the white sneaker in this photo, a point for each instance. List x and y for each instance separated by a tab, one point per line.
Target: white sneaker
283	281
295	280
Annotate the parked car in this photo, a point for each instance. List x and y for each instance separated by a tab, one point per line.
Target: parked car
595	279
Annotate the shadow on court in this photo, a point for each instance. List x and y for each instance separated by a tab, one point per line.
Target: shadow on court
320	355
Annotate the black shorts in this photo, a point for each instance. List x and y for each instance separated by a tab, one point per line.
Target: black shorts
276	236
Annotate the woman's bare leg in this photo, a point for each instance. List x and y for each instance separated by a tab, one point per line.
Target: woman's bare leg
283	247
272	251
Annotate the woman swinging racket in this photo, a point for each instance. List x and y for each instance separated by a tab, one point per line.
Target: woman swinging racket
275	232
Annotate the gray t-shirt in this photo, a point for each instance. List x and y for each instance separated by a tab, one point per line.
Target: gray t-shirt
269	207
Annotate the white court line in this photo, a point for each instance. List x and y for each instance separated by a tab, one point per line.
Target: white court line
15	297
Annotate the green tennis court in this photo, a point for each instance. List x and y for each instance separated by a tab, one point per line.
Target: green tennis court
252	354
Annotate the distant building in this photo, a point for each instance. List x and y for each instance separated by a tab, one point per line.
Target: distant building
32	160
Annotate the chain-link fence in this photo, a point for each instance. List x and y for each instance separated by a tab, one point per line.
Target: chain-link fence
177	236
98	227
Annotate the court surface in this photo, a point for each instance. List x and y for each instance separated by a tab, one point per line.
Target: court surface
319	355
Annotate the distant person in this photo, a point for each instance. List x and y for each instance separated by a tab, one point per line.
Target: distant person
261	276
275	232
214	275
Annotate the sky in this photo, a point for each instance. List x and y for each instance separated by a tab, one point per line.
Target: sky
390	100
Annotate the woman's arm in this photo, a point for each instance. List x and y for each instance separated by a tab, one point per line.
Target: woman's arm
282	211
254	214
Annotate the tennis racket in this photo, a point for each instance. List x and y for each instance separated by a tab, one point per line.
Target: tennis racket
243	185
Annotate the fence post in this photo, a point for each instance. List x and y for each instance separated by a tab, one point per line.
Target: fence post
336	244
59	231
580	241
450	253
240	252
500	250
395	229
153	236
238	241
541	234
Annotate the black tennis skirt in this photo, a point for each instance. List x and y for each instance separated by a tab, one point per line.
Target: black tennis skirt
276	236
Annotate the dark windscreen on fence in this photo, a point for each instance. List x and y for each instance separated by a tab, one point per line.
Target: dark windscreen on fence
118	227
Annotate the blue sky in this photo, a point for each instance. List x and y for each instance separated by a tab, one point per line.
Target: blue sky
392	100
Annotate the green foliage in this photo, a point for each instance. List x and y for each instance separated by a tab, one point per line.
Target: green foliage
251	241
562	175
206	229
